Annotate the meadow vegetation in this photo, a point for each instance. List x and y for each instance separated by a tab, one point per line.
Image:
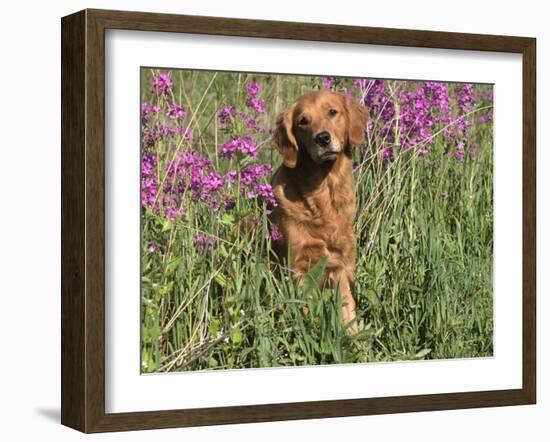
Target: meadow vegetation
213	296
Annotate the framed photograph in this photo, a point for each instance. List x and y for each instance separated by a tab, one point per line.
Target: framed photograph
266	221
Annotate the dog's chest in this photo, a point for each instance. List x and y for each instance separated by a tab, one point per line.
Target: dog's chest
325	215
316	224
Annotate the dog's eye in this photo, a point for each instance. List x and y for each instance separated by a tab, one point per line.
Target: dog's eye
303	121
332	112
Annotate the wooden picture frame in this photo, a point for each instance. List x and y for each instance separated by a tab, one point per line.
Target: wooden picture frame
83	220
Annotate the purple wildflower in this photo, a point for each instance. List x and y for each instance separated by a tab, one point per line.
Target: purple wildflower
225	113
465	97
256	104
160	130
187	173
386	154
212	181
171	212
409	116
148	111
253	174
485	95
184	132
153	247
250	123
231	176
328	82
459	155
149	185
175	112
229	148
229	204
245	145
162	83
275	233
482	119
252	89
265	192
205	242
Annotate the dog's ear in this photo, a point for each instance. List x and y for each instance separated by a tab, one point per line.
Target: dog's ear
284	139
357	120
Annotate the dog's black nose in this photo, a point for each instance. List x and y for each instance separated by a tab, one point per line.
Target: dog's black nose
322	139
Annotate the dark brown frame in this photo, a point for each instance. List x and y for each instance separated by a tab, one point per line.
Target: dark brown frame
83	216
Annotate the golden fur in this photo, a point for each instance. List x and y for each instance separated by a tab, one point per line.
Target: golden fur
314	188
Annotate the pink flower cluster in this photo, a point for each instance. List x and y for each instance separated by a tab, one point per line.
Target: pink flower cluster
174	175
245	145
162	83
254	108
417	113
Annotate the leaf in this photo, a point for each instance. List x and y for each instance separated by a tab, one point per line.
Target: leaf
166	288
228	219
223	251
423	353
313	278
166	225
173	265
243	214
214	327
220	279
236	336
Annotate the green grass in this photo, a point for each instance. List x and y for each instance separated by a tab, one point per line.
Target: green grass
424	261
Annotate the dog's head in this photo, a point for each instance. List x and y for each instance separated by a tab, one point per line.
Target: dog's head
321	124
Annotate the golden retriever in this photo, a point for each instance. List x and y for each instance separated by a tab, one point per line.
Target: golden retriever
314	189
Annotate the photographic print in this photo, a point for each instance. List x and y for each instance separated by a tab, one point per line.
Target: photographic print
304	220
260	227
